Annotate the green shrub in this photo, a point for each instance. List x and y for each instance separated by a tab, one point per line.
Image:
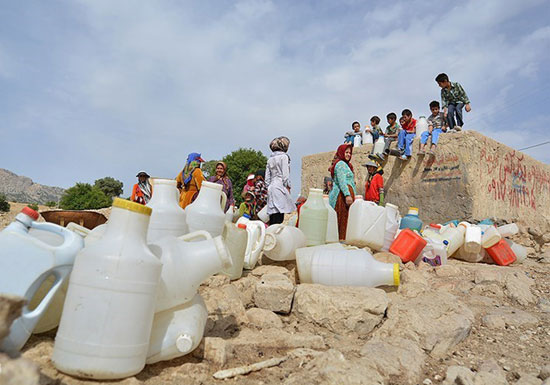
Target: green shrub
4	204
51	204
84	196
33	206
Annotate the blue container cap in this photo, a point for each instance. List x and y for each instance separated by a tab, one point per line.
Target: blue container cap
246	216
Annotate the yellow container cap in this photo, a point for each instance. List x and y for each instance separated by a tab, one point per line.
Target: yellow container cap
396	274
132	206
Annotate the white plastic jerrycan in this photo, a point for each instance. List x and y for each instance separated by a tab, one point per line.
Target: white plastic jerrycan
282	241
379	145
508	230
357	141
435	253
230	214
367	137
262	215
332	222
207	211
235	238
177	331
392	225
186	263
472	238
106	323
490	236
340	267
366	224
455	238
519	251
167	218
314	218
254	244
25	263
421	126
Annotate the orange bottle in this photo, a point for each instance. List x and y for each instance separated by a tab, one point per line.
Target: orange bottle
502	253
408	245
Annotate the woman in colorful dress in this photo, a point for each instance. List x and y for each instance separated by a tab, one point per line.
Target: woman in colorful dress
227	187
189	180
142	191
260	190
343	190
277	177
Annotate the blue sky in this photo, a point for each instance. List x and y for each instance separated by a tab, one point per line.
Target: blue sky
107	88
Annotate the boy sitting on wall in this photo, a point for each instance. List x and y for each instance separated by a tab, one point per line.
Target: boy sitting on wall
436	125
407	134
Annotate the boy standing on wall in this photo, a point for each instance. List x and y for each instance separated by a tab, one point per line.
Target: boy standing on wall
436	125
453	99
407	134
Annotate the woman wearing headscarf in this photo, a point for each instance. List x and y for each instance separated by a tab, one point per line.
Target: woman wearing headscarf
328	185
190	179
343	190
142	191
227	187
260	190
277	177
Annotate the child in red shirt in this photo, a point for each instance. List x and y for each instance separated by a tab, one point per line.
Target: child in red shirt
374	186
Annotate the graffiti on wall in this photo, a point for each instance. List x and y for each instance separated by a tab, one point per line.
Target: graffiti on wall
442	168
511	180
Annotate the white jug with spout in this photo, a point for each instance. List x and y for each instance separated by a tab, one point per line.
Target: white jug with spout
207	211
26	263
262	215
366	224
314	218
421	126
340	267
282	241
392	225
357	141
186	264
332	222
177	331
168	218
235	238
255	243
379	145
106	323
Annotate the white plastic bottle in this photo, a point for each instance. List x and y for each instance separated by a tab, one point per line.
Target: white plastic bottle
508	230
340	267
455	237
235	238
490	237
392	225
168	218
187	262
332	222
282	241
437	255
177	331
206	212
254	244
26	263
108	313
472	238
366	225
314	218
421	125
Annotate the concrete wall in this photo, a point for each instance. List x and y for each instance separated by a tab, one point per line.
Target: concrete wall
471	177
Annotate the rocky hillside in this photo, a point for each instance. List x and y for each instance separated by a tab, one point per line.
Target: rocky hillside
23	189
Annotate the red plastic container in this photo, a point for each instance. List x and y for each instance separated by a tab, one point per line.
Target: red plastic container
501	253
408	245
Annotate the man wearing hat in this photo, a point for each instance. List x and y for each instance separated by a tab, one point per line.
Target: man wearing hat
374	186
142	191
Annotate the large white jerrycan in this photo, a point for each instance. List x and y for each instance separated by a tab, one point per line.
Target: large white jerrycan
235	238
168	218
340	267
379	145
254	244
366	225
177	331
282	241
392	225
25	263
314	218
421	126
207	211
186	264
262	215
332	222
108	313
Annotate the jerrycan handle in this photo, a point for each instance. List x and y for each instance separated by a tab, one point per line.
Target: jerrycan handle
72	243
80	230
259	244
38	311
279	229
196	234
224	201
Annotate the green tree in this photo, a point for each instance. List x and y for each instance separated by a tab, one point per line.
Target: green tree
209	168
83	196
240	163
4	204
110	186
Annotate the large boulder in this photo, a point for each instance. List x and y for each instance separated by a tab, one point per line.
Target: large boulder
10	310
341	309
18	372
275	292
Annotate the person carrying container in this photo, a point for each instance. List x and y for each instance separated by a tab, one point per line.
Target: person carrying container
374	185
142	191
189	180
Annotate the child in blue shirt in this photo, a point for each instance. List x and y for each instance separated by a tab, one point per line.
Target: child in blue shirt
350	135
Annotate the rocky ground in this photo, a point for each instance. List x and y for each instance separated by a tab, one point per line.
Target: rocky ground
457	324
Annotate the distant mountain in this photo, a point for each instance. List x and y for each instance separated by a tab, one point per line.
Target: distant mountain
23	189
